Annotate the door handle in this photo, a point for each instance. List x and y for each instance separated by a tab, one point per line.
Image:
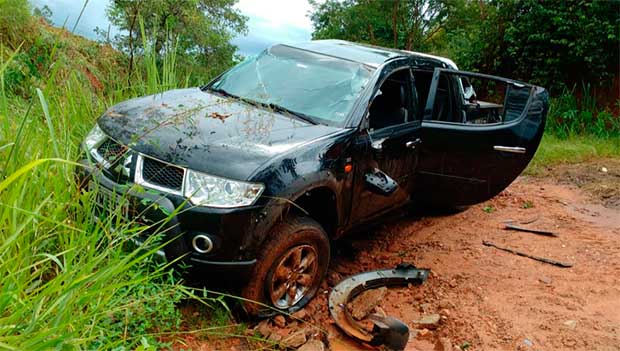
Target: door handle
513	149
413	143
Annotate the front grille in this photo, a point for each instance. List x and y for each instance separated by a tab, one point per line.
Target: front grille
110	150
162	174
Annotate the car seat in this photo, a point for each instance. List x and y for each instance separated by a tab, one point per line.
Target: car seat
389	108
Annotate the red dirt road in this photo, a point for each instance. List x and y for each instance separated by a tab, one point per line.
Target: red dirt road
493	300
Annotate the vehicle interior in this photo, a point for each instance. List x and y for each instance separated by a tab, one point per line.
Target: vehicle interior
393	104
397	103
498	101
443	107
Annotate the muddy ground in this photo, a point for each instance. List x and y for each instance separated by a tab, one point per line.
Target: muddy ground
488	299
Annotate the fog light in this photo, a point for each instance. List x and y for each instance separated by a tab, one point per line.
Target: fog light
202	244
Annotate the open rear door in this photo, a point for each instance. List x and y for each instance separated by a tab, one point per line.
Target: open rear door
478	134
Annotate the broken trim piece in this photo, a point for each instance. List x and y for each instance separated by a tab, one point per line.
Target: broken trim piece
387	331
523	254
509	226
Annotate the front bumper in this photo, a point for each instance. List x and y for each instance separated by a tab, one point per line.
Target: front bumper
232	259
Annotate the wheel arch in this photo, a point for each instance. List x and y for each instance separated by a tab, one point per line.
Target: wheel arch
321	204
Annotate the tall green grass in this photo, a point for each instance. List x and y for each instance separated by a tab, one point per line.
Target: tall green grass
570	116
577	130
66	280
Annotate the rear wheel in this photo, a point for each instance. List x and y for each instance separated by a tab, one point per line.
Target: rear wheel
289	269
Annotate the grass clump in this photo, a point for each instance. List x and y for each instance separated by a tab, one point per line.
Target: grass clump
65	280
577	130
571	115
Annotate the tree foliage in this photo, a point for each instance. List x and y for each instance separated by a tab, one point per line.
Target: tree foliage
199	30
562	41
402	24
554	43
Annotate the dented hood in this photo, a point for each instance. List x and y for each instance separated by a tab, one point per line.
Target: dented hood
206	132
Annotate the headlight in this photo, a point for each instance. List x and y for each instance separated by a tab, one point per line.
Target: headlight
207	190
94	138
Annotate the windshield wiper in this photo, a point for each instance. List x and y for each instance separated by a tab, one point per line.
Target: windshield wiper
271	106
222	92
299	115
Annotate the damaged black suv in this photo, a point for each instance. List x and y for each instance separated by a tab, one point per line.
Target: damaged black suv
255	173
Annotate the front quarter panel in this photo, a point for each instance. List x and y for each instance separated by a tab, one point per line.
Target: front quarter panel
317	164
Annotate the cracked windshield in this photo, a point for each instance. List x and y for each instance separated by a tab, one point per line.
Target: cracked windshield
319	88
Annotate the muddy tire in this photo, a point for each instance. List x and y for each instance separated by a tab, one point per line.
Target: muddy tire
290	268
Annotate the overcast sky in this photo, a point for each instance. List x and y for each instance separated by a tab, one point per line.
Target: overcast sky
270	21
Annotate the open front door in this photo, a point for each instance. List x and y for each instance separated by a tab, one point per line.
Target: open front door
390	139
479	133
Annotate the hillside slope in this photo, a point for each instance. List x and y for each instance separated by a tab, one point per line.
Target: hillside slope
43	55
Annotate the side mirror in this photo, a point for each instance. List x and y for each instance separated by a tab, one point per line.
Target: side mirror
380	183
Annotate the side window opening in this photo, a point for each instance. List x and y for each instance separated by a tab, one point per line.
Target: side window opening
443	106
422	81
392	105
478	100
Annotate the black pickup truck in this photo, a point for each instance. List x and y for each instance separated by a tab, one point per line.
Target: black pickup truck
255	173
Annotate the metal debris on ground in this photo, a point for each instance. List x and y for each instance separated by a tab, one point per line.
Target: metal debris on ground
388	331
530	230
523	254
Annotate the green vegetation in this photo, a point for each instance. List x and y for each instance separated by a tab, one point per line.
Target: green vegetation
569	116
198	31
556	44
409	25
575	149
488	209
527	204
67	281
14	18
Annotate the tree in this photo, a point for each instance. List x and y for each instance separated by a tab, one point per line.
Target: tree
200	29
554	43
43	12
401	24
558	43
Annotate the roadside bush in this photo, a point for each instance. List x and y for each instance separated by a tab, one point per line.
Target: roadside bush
571	116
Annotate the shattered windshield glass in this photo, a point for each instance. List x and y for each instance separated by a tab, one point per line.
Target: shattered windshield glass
318	87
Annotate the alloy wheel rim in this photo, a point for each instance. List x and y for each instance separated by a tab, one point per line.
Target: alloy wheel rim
293	276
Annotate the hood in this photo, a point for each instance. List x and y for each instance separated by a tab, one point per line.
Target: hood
206	132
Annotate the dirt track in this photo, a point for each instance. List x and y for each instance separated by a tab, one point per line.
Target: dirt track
493	300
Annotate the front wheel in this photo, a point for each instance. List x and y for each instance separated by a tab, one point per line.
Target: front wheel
289	269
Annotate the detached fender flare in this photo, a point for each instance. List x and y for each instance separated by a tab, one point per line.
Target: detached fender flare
387	331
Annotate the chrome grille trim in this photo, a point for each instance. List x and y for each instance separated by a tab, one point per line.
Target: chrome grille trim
159	173
98	158
139	177
101	159
111	150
